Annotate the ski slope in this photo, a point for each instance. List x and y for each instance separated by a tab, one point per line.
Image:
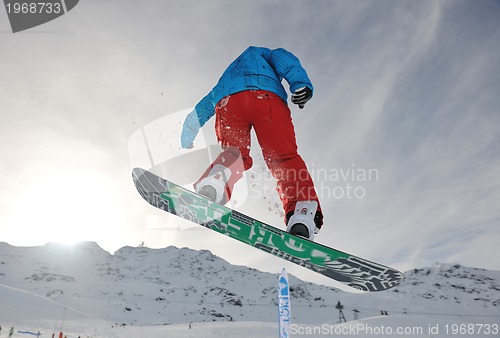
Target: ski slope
84	291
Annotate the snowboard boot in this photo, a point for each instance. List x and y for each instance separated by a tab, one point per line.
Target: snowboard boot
302	222
213	186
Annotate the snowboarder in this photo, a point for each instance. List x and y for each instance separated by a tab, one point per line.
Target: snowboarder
249	95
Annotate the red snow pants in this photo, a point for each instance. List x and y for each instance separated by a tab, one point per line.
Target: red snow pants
271	119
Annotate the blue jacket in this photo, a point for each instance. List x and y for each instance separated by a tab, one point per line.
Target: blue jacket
256	68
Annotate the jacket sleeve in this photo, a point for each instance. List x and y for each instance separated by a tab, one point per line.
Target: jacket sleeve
205	109
288	66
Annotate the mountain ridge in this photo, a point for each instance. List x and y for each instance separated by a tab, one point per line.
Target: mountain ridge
143	286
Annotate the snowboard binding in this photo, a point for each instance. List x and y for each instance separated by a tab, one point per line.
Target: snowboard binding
303	220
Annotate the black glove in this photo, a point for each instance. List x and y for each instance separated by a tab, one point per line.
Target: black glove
301	96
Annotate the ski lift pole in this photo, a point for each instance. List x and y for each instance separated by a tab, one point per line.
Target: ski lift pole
63	318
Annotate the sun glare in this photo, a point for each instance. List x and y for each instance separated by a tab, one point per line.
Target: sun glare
67	208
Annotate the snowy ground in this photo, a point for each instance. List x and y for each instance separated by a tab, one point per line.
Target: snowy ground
87	294
383	326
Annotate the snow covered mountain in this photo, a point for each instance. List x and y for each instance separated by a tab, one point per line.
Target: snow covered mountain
141	286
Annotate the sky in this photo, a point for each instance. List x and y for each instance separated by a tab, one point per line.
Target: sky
402	134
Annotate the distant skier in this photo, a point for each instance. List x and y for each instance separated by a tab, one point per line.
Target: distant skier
249	95
11	331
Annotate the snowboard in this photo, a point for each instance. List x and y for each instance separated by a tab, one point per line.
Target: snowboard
349	269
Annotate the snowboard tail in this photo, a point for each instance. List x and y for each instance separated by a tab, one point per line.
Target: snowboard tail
354	271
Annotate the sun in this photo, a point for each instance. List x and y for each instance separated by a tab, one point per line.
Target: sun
68	207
